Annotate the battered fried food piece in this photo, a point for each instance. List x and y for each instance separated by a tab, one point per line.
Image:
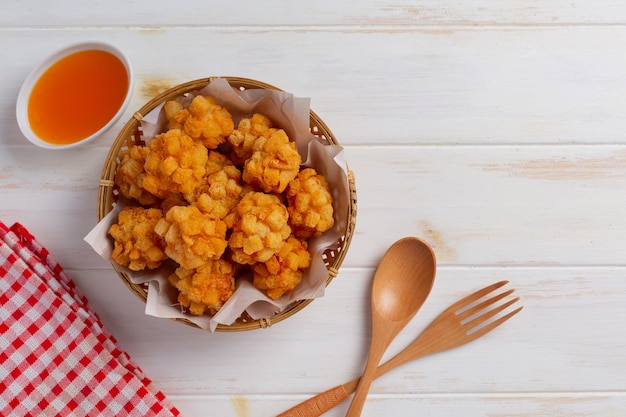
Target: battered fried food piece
310	204
216	162
222	195
219	190
248	131
205	288
260	229
192	238
130	173
274	162
136	245
283	271
204	120
170	109
219	169
174	164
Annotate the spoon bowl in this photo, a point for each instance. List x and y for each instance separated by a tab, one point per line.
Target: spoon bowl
402	282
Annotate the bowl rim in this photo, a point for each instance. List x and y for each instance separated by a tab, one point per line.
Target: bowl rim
21	106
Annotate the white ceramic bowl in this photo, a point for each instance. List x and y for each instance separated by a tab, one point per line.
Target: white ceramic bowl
27	87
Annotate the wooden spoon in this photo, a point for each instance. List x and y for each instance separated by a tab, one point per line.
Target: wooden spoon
402	283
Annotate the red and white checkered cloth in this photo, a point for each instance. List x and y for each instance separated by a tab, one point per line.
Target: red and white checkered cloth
56	357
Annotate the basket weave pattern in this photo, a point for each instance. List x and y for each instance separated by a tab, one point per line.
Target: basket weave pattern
131	135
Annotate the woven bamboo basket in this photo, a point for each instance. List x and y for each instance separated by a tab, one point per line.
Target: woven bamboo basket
131	135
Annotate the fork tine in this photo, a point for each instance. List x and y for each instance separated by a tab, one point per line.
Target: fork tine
470	312
482	318
489	327
476	295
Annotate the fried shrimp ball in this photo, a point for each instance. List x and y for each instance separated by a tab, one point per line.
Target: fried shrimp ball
283	271
136	245
204	120
170	109
310	204
192	238
221	201
248	131
205	288
217	163
129	175
219	190
274	162
260	229
174	164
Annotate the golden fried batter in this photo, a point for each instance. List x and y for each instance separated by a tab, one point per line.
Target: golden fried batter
219	190
174	164
170	109
274	162
130	173
310	204
192	238
260	229
283	271
136	245
204	120
248	131
205	288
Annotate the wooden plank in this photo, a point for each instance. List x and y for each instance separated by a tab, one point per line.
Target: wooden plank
276	12
477	205
493	205
458	86
524	405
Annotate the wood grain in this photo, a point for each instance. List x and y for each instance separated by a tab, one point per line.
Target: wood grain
407	86
276	12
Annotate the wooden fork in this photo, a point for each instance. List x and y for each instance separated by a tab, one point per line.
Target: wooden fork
464	321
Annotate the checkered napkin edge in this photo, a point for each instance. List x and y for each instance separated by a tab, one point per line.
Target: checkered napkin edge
56	356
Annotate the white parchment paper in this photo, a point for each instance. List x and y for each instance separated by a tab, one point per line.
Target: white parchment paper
291	114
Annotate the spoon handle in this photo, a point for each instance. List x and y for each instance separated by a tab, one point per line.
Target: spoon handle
321	403
356	406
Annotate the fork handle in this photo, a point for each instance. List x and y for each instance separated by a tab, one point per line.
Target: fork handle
318	405
321	403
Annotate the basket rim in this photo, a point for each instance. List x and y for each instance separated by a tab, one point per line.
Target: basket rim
106	185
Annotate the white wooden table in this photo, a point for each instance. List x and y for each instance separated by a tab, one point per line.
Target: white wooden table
496	131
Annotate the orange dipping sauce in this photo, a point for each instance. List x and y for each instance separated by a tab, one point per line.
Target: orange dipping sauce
77	96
